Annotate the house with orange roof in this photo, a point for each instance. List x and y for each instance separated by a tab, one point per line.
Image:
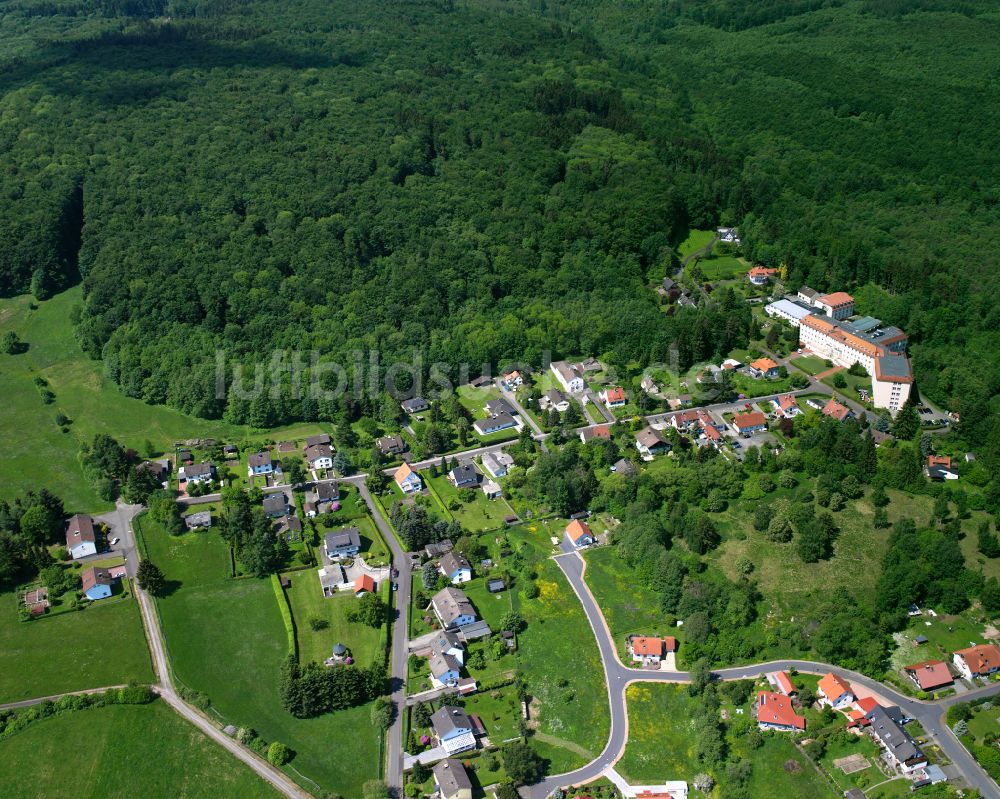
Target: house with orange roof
759	275
787	406
646	649
764	368
834	691
839	305
781	681
977	661
775	712
599	431
512	380
939	467
613	397
746	424
929	675
857	714
835	410
579	534
409	481
364	584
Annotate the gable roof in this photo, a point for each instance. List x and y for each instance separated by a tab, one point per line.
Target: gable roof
835	410
787	401
402	473
79	528
447	720
451	777
763	365
835	299
495	407
930	674
94	576
784	683
365	582
773	708
389	444
646	646
833	687
577	529
351	537
451	604
452	562
601	431
320	438
464	472
615	394
650	437
892	736
745	421
980	659
262	458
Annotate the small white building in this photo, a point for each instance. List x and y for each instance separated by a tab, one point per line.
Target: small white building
568	376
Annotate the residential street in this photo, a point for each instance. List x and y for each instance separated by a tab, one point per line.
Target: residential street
618	677
400	636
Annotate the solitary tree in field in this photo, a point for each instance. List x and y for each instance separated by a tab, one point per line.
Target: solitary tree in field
151	578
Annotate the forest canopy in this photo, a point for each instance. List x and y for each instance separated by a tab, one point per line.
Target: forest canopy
486	181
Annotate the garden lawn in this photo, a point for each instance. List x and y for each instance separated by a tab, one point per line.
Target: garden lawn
810	364
722	267
945	634
129	750
476	516
307	601
226	639
99	646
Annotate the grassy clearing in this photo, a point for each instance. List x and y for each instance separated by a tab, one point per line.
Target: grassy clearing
102	645
239	623
696	240
476	516
944	635
722	267
628	607
130	751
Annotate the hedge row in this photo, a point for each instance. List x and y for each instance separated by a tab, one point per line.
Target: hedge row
286	614
13	721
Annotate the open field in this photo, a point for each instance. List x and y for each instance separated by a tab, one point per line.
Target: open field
479	514
722	267
127	751
102	645
238	621
810	364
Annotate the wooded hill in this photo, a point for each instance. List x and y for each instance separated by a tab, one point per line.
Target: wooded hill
489	180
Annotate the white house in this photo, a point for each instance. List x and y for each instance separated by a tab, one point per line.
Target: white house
319	456
568	376
497	463
977	661
409	481
81	540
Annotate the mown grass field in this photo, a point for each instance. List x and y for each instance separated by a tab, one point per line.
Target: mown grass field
810	364
722	267
661	746
226	639
102	645
479	514
120	752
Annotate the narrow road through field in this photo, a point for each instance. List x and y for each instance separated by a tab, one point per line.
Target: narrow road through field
165	688
618	677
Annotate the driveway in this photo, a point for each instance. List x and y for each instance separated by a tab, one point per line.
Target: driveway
119	522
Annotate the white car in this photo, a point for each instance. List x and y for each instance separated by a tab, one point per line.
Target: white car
115	541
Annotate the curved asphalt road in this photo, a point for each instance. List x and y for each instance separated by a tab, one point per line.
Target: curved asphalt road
618	677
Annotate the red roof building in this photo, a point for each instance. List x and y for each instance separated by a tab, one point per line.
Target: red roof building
365	584
929	675
775	712
835	410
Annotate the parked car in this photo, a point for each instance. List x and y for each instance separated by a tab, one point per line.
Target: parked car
394	586
115	541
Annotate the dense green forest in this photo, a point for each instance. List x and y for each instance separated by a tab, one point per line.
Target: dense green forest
491	180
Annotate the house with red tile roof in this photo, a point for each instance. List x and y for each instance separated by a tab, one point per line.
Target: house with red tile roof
834	691
579	534
835	410
775	712
613	397
746	424
781	681
600	431
364	584
787	406
759	275
646	649
839	305
929	675
977	661
858	712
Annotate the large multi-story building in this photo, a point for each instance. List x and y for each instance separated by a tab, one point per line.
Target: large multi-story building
881	350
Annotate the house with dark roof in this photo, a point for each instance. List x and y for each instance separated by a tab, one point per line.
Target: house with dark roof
502	421
197	473
452	780
275	505
625	467
81	538
342	543
495	407
651	442
199	520
96	583
439	548
317	440
464	475
454	729
886	727
554	399
391	445
453	608
319	456
259	463
455	567
415	405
